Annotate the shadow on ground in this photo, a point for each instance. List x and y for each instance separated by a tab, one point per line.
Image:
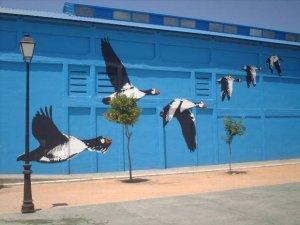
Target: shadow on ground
134	180
236	172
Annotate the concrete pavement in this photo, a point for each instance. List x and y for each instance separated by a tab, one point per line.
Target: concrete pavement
269	205
17	179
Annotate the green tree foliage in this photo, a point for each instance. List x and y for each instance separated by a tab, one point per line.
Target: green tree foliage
233	128
124	111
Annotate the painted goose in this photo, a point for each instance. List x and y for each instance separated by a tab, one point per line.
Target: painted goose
180	108
118	76
251	74
55	146
274	61
227	86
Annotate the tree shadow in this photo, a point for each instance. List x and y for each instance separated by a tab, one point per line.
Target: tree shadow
134	180
236	172
3	186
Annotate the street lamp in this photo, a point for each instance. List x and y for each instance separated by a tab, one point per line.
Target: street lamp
27	45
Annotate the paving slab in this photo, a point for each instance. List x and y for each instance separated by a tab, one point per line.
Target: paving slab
90	192
270	205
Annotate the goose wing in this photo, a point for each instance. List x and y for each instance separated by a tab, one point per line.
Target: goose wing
169	111
45	131
187	123
114	67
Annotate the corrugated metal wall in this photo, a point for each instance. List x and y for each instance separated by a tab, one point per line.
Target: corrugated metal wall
179	65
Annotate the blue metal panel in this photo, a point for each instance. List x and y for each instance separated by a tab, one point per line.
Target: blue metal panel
157	19
282	137
79	127
177	153
245	148
113	160
102	13
8	40
144	142
280	93
205	135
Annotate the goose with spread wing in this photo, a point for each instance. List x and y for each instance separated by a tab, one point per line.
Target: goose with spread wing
118	76
251	72
56	146
274	61
180	108
227	86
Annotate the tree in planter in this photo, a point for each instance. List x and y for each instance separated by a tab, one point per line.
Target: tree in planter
124	111
232	128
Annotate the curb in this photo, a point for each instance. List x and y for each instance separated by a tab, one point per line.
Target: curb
182	170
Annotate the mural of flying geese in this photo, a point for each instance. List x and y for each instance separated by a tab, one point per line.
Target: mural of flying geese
251	74
274	61
55	146
227	86
180	108
119	77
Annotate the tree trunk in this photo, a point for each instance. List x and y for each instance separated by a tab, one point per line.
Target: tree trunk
128	135
229	157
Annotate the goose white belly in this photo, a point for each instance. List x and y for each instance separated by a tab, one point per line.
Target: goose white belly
230	87
186	105
132	92
65	151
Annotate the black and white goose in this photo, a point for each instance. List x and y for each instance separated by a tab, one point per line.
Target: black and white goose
56	146
118	76
251	74
180	108
274	61
227	86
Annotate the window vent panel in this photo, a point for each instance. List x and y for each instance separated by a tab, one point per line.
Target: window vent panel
122	15
202	84
78	80
255	32
103	84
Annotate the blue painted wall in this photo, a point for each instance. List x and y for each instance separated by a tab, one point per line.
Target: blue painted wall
178	64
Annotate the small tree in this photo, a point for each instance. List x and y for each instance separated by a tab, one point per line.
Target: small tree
124	111
232	128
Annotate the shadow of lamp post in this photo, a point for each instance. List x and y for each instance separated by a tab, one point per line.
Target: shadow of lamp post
27	45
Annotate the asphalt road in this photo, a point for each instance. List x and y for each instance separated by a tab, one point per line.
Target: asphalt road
279	205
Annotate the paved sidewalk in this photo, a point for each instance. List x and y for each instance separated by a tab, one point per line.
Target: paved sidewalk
272	205
17	179
89	192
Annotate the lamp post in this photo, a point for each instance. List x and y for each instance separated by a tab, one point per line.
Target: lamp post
27	45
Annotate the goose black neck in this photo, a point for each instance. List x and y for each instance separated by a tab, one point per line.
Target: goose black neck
148	91
92	143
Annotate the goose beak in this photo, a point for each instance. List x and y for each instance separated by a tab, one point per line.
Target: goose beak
161	113
107	142
106	101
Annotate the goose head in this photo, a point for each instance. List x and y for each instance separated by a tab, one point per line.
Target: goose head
200	105
152	91
106	100
99	144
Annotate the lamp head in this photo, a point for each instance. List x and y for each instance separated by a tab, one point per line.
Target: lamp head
27	45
